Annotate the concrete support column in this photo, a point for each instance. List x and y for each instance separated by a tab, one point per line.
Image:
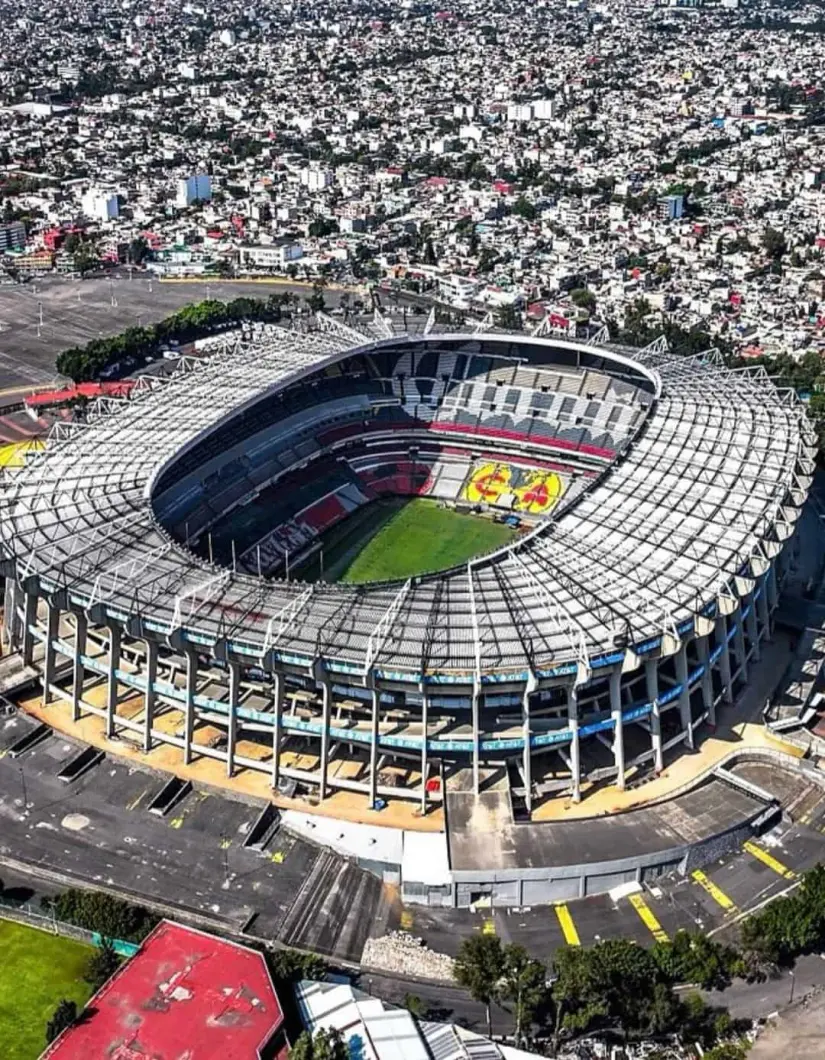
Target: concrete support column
707	680
684	696
326	698
739	646
772	587
29	619
476	739
189	713
149	697
652	688
618	729
724	658
376	703
763	612
52	624
753	630
424	709
528	761
232	727
277	715
10	621
111	680
81	629
573	724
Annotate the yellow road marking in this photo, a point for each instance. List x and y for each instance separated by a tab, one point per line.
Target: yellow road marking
488	927
406	920
648	918
568	928
278	857
768	859
226	843
716	893
2	754
176	822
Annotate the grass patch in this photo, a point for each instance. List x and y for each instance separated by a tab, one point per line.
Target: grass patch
36	971
414	537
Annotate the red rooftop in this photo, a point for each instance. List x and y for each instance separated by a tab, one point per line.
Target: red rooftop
183	995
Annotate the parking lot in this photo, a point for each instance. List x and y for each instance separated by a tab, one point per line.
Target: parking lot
76	311
99	829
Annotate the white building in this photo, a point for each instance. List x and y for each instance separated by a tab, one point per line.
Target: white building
198	187
316	179
544	109
270	257
100	205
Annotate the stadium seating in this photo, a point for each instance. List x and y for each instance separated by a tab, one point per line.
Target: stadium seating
381	423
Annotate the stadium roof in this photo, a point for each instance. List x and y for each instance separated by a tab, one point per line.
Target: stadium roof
184	994
674	531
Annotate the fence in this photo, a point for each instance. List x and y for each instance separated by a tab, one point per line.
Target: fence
26	913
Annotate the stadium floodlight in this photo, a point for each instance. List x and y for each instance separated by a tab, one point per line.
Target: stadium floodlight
191	599
381	325
280	622
487	323
115	579
337	328
559	616
382	630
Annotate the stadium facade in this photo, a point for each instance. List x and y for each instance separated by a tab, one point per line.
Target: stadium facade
148	549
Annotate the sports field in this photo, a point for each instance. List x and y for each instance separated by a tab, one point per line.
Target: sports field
398	538
37	971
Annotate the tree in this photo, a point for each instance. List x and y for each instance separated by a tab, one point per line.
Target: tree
138	250
63	1016
583	298
414	1005
289	966
524	208
315	301
86	258
102	965
728	1051
774	243
508	318
614	984
692	957
523	984
479	967
95	911
326	1045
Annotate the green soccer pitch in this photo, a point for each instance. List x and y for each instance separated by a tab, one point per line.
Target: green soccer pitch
37	970
399	538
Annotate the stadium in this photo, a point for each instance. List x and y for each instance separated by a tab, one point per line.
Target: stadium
351	559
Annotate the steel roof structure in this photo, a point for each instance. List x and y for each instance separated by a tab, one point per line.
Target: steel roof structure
675	531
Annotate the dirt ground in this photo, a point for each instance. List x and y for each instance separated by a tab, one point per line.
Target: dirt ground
798	1034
